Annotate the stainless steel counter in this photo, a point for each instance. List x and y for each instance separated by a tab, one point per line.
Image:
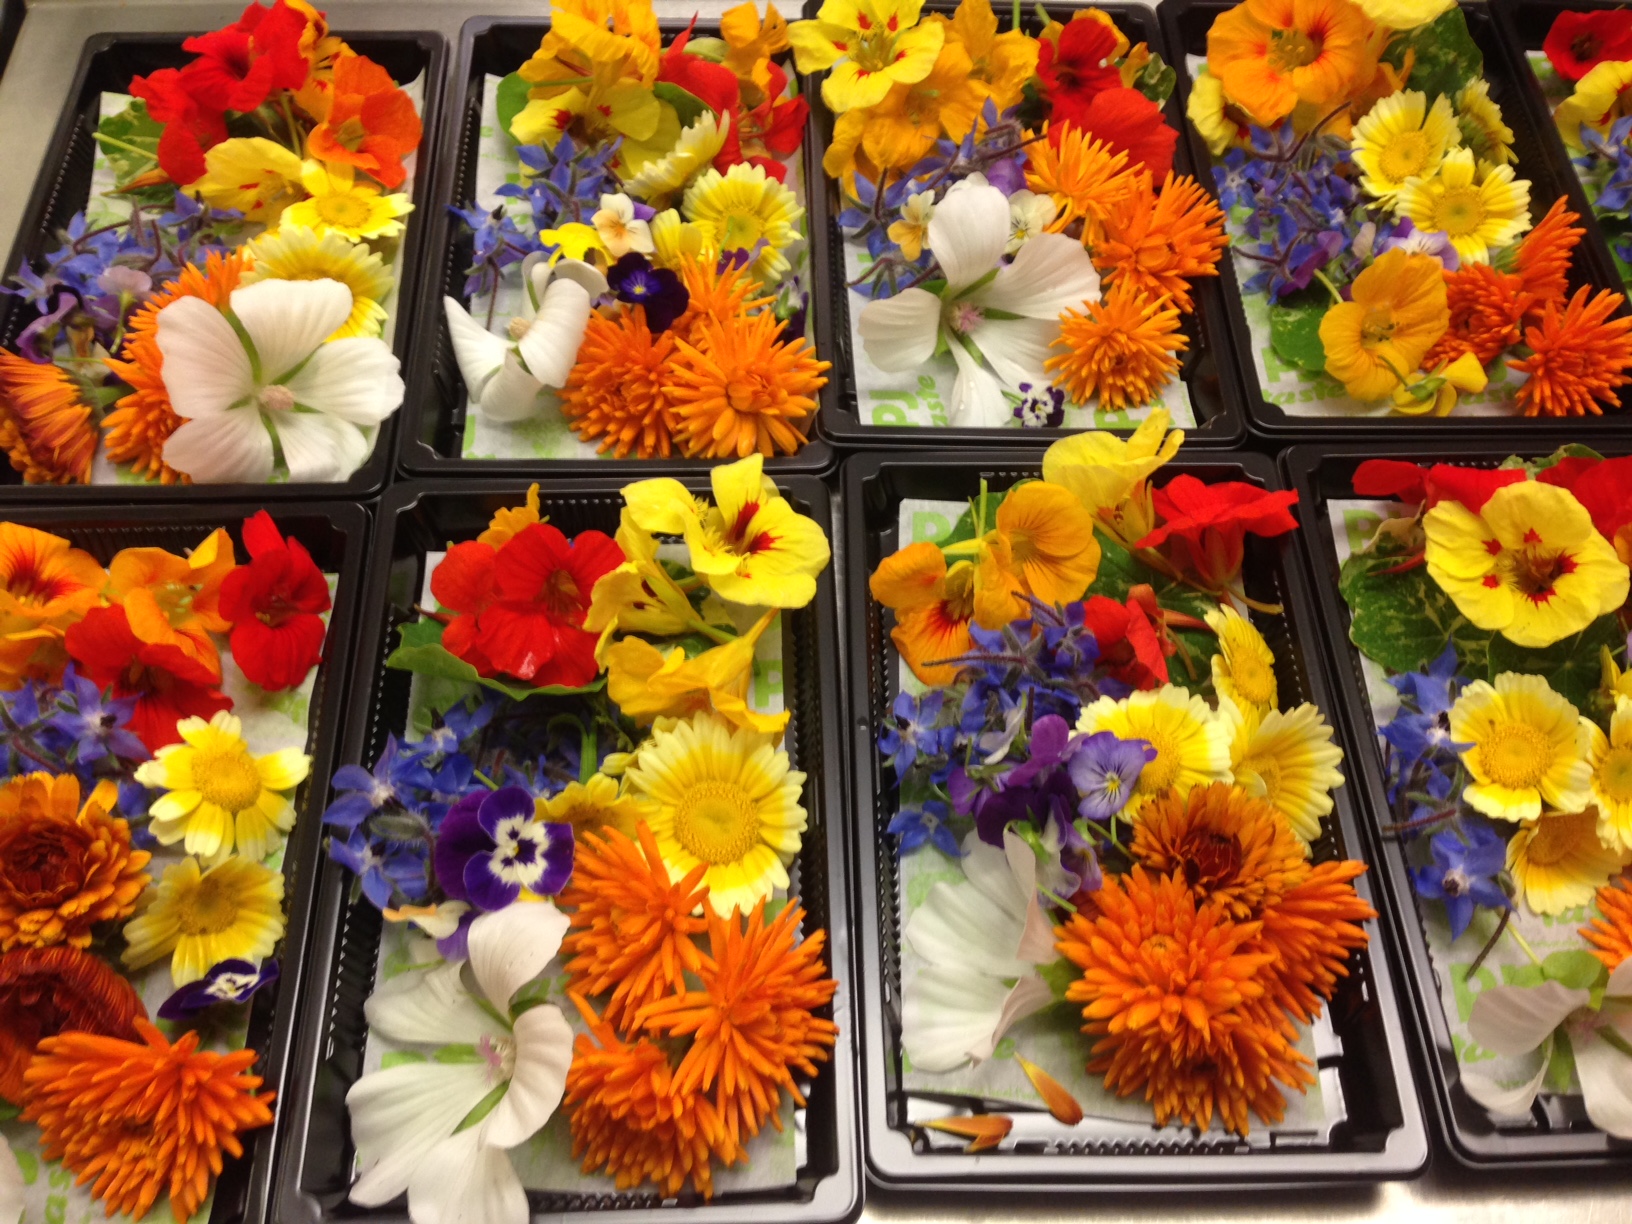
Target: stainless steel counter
32	94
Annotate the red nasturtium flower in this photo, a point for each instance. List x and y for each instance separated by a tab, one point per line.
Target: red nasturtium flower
763	135
274	604
1604	487
1579	42
519	609
1129	123
371	123
1132	645
1205	525
1411	482
1073	71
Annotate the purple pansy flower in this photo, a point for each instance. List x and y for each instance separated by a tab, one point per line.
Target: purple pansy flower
230	981
491	847
1105	769
634	280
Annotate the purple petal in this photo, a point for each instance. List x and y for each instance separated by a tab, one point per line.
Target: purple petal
557	859
506	803
460	838
484	889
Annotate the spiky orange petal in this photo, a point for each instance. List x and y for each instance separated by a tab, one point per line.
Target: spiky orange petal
982	1130
1487	309
1162	242
44	425
1061	1103
1544	255
1611	935
1120	350
738	387
1579	356
46	991
1088	180
618	391
1230	847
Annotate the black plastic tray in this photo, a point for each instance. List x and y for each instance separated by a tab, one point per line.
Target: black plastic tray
315	1166
1208	366
1383	1138
1187	23
335	533
1559	1133
434	413
108	63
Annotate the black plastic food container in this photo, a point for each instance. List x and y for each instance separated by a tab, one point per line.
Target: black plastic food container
1558	1133
1187	23
108	63
335	533
316	1157
1383	1137
1207	367
434	412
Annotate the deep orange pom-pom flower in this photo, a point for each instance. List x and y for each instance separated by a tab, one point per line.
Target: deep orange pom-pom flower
140	1119
1487	309
739	388
1120	350
46	585
1160	243
1229	847
46	991
1088	180
632	926
1611	935
1579	357
45	426
618	392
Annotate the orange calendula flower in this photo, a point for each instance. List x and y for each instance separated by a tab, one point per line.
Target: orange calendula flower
46	991
933	608
1043	545
618	392
1579	356
1487	309
1312	929
716	291
632	926
45	426
46	585
1088	180
371	123
135	431
143	1118
751	1024
1545	252
1161	243
1611	935
1272	54
739	389
1120	350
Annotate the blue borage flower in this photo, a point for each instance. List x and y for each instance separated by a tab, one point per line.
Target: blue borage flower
1463	876
925	823
72	728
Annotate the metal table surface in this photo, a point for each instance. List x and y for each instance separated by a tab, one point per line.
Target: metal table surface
32	94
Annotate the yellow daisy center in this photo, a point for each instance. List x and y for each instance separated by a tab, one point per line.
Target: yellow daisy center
1253	680
1552	843
1516	755
1615	775
742	231
1268	771
343	211
210	910
1163	772
717	821
226	776
1460	212
1405	155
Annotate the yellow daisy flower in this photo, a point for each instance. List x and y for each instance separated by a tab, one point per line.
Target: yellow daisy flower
1615	683
1192	744
746	209
295	253
1476	211
1599	99
1287	759
1530	565
1558	862
1244	667
1527	746
257	176
351	207
1612	777
726	798
594	805
1483	129
221	797
1402	138
676	241
698	146
233	911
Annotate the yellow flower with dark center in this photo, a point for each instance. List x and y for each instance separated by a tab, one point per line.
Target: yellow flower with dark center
1558	862
233	911
258	177
1478	208
905	125
1001	64
1601	97
648	684
866	46
1612	777
1530	565
1398	309
1527	748
1192	743
1109	475
1401	138
1244	667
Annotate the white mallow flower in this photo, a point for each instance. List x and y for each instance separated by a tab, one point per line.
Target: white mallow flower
1515	1020
620	230
264	375
506	375
997	319
408	1121
983	939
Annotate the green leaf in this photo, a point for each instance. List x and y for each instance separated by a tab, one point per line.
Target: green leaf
1575	969
130	142
1294	331
1571	666
1447	57
511	99
459	1052
1058	975
1561	1064
964	528
1570	450
421	651
686	104
485	1106
1403	620
1157	80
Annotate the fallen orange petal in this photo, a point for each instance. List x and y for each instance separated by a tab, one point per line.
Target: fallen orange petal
982	1130
1060	1103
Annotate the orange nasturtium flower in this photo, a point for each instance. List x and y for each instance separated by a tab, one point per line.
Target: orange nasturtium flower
1271	55
933	608
371	124
176	599
1043	545
45	586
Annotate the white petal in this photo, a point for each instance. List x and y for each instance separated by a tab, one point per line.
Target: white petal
900	333
428	1007
286	320
1030	994
987	867
587	275
465	1181
510	947
535	277
320	448
358	379
945	1012
1507	1102
1037	937
967	233
1606	1081
549	350
975	924
231	446
11	1185
478	351
1619	985
512	393
206	370
400	1114
1517	1019
1050	273
1017	348
543	1054
977	398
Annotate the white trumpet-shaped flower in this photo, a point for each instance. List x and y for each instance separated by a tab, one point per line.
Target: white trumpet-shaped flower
506	375
417	1126
263	378
997	319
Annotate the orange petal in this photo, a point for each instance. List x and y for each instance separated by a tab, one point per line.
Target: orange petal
1060	1103
982	1130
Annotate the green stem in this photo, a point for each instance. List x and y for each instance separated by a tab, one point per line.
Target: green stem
128	148
718	636
587	757
1524	944
296	143
1337	298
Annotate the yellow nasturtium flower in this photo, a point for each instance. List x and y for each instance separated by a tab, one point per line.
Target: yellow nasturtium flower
258	177
865	46
1109	474
648	684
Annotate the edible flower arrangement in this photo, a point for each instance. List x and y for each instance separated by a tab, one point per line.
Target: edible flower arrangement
215	312
1017	248
659	189
1108	819
1391	261
1491	608
600	793
153	721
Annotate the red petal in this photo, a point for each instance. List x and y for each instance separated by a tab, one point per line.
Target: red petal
464	580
